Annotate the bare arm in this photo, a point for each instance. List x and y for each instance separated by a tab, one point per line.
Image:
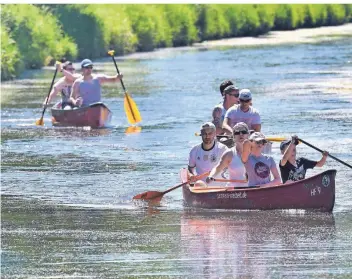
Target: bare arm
224	162
322	161
56	89
75	94
226	126
288	152
256	127
105	78
70	76
246	151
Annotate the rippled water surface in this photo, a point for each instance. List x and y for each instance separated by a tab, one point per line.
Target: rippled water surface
67	209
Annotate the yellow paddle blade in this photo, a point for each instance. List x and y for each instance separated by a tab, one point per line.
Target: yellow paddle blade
276	139
133	130
111	52
131	109
39	122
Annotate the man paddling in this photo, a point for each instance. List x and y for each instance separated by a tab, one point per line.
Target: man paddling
244	112
87	90
204	156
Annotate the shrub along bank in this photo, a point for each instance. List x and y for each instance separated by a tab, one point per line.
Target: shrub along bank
37	35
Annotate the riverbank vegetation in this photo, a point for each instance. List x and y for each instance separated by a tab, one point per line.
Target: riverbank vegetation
33	36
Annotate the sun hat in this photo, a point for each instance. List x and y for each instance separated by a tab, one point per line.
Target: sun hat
245	95
86	63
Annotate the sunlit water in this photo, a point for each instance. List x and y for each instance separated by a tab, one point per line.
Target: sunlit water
67	207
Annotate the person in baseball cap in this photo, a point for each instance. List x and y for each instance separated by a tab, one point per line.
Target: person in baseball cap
260	167
204	156
245	95
244	112
293	168
86	63
87	90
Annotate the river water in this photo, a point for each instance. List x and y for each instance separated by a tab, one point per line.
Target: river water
67	209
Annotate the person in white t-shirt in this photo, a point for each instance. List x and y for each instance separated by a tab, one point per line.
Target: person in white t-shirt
231	94
204	156
231	159
243	112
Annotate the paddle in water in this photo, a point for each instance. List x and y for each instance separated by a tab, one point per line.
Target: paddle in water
131	109
156	195
316	148
40	122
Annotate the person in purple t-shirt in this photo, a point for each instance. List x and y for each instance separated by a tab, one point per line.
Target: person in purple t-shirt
292	168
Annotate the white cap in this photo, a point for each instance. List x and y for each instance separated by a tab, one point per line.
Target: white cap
245	95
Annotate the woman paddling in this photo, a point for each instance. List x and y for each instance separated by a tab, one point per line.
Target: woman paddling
259	166
231	159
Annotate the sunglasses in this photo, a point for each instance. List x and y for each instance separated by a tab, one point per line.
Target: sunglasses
245	101
235	95
240	132
70	69
88	67
261	142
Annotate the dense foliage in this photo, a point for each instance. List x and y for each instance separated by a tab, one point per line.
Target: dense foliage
36	35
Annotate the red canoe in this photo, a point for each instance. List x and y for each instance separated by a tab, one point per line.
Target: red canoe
96	115
314	193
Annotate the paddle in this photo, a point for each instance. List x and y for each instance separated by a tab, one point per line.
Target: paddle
40	122
151	195
131	109
272	138
316	148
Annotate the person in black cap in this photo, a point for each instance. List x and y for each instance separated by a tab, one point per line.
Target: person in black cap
87	90
293	169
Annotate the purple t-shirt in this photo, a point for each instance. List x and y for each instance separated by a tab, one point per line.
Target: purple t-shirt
258	169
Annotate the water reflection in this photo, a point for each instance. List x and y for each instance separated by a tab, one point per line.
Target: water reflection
255	244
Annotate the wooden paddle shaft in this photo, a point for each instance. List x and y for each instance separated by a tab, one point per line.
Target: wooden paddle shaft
316	148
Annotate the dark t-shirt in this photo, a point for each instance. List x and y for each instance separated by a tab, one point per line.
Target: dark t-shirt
290	172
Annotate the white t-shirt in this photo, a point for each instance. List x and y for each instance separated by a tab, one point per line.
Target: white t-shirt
235	115
205	160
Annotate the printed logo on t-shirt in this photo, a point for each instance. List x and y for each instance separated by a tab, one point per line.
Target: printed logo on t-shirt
213	158
297	174
262	170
